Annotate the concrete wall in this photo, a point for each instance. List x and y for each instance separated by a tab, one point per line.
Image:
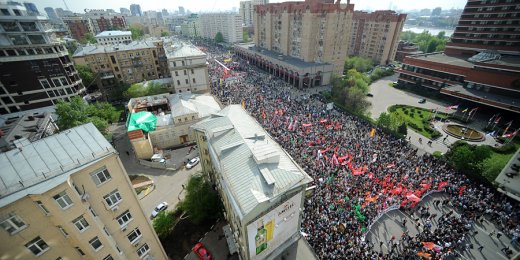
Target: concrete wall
142	148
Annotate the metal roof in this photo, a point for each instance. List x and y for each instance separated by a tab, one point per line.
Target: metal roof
254	167
97	49
188	103
181	49
46	163
114	33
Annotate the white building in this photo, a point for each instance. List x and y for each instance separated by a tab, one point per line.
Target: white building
188	67
114	37
229	24
247	10
261	186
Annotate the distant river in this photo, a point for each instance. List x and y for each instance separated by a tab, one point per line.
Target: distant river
433	31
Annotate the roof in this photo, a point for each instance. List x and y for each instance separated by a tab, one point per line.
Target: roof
188	103
114	33
143	120
444	59
510	185
254	167
31	126
42	165
181	49
97	49
477	95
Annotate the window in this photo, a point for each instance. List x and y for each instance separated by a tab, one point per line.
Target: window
183	65
80	251
178	82
143	250
5	12
108	257
124	218
37	246
63	200
193	80
113	198
81	223
42	207
106	231
96	244
187	81
185	73
192	71
13	224
56	82
176	73
134	235
92	211
101	176
63	231
174	64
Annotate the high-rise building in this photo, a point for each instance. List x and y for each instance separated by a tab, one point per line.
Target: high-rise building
125	11
164	13
260	185
181	10
35	67
480	65
78	26
103	20
135	9
68	196
188	68
376	35
229	24
31	8
247	10
51	13
61	13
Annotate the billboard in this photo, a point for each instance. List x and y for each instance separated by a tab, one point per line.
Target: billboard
274	228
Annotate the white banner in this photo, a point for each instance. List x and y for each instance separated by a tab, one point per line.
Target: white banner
330	106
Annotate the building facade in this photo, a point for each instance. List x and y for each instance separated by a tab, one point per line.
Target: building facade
261	187
35	67
406	49
75	201
229	24
135	9
31	8
247	11
78	26
114	37
376	35
103	20
313	30
480	66
126	63
188	67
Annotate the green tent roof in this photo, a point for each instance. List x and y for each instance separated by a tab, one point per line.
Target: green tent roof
145	121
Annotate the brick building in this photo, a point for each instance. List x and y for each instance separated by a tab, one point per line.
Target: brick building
106	21
406	49
78	26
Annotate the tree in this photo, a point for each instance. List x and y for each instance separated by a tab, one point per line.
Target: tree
164	34
78	112
402	129
437	11
384	120
164	223
492	166
219	37
146	89
137	31
88	38
360	64
86	74
201	202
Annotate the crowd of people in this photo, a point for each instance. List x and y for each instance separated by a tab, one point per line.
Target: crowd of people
359	172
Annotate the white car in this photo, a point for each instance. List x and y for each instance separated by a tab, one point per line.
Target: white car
192	163
162	206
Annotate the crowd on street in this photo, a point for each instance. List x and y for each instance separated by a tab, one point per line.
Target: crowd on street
360	172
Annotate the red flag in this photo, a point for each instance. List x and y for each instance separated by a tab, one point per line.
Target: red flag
370	175
390	165
461	190
442	184
323	120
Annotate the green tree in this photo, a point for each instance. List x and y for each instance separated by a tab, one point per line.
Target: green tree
384	120
356	100
360	64
146	89
402	129
86	74
164	223
78	112
441	35
164	34
88	38
137	32
201	202
492	166
462	158
219	37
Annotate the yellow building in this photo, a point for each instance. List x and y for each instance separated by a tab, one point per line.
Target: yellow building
262	188
68	196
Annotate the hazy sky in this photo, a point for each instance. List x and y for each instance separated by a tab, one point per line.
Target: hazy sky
222	5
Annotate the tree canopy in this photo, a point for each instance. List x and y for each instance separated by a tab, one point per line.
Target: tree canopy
86	74
137	32
359	64
164	223
219	37
147	89
88	38
425	41
351	90
78	112
201	202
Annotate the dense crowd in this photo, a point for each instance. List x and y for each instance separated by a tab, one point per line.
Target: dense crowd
359	172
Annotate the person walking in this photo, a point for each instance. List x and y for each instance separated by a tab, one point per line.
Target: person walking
480	248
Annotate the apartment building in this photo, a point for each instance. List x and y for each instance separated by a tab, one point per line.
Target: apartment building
480	65
376	35
68	196
103	20
135	9
35	68
191	26
247	11
114	37
127	63
188	67
229	24
261	187
78	26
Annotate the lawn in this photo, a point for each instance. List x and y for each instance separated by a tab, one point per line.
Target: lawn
418	119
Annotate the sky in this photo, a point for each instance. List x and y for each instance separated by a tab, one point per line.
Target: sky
224	5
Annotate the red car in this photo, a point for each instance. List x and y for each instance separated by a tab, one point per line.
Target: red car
201	252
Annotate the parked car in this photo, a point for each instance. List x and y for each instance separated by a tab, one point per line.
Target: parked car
201	251
192	162
370	95
422	101
162	206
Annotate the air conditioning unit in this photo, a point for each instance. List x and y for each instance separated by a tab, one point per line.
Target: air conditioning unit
85	196
114	208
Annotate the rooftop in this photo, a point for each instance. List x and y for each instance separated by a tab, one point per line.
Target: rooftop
114	33
510	185
97	49
188	103
181	49
504	60
253	166
41	165
31	126
478	94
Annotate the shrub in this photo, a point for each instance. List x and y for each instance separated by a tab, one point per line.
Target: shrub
506	148
402	129
437	154
421	115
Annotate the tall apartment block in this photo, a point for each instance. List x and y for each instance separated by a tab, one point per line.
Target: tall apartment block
104	20
229	24
35	68
480	65
135	9
376	35
68	196
78	26
247	10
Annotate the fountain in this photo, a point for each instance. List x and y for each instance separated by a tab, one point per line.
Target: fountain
463	132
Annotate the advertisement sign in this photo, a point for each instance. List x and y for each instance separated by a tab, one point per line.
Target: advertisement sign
274	228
